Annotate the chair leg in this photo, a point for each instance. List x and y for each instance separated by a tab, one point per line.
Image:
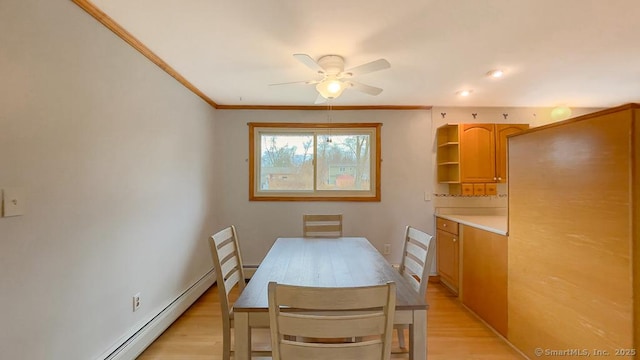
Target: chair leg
401	341
226	345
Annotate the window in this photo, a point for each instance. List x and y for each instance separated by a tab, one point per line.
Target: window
316	162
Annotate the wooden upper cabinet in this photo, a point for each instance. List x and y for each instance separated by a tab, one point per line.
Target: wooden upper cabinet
474	153
502	131
477	153
483	151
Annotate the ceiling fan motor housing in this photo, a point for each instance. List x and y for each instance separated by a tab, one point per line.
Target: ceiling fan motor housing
332	64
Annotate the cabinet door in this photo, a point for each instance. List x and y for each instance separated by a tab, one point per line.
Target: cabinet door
477	153
502	131
447	258
484	270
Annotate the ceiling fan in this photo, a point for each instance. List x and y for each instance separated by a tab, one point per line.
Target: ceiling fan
335	79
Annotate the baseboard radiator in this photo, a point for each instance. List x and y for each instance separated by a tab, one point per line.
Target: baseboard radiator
134	345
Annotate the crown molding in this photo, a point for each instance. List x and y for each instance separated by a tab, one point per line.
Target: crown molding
112	25
117	29
325	107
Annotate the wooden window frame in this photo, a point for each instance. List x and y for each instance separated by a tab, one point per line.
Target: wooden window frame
316	195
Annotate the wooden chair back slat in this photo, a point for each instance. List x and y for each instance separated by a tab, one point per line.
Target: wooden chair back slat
297	313
371	350
322	225
418	256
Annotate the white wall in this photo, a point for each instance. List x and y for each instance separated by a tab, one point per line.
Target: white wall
406	175
117	164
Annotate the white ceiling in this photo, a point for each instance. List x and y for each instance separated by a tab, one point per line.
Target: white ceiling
579	53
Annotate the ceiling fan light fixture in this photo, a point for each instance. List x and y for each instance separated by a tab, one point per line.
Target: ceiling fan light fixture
334	87
464	92
335	79
331	88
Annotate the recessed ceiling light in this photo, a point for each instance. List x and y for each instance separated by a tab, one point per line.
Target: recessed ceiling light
496	73
464	92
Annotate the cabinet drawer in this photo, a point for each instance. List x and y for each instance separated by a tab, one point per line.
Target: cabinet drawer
447	225
467	189
478	189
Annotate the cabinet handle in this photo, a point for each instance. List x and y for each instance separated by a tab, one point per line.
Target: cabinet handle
454	240
495	178
444	225
499	178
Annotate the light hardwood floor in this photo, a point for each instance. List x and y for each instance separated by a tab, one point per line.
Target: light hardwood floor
453	333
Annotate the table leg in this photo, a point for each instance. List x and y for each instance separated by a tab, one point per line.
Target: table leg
242	336
418	336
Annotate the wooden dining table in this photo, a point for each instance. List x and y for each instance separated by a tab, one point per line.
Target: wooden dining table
326	262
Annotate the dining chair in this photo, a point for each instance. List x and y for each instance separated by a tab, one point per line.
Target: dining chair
322	225
227	263
417	259
326	313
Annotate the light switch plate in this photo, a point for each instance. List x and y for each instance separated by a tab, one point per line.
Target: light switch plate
13	202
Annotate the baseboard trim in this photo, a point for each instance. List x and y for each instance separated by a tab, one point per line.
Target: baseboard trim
449	287
135	344
498	334
249	270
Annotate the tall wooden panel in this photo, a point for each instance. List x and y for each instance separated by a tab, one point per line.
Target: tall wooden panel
484	276
572	234
635	181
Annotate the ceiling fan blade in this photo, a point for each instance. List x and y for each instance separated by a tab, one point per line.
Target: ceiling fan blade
320	99
367	89
376	65
296	82
309	62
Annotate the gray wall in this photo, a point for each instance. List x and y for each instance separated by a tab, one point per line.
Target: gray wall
406	174
116	160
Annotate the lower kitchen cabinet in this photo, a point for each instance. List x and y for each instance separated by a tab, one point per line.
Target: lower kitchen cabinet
484	274
448	253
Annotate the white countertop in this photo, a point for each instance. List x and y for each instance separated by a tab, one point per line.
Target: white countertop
494	223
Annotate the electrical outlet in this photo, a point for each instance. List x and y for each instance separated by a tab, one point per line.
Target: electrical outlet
13	199
136	302
387	249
